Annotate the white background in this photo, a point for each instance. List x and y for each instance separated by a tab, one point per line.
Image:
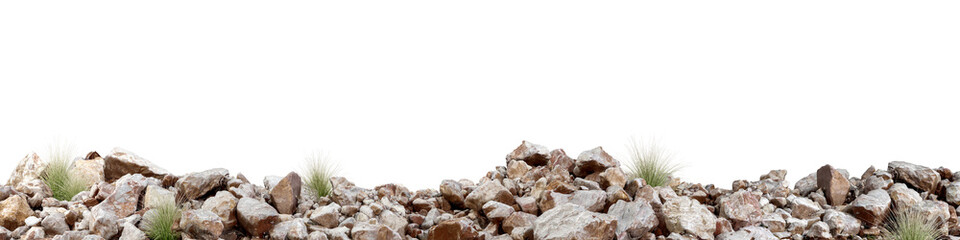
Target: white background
414	92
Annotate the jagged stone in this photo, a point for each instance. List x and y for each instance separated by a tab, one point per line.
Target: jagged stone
455	229
29	168
202	224
55	224
194	185
121	162
871	208
919	177
290	230
89	169
571	221
594	160
804	208
519	225
819	230
749	232
531	154
224	205
453	192
154	196
256	217
952	193
496	211
13	211
903	196
285	194
367	231
742	208
634	218
327	216
841	224
488	191
833	184
685	215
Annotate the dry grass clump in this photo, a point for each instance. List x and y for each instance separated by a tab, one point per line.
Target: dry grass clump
159	222
650	162
910	224
317	174
57	175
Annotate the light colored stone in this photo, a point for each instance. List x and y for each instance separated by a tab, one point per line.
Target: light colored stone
685	215
224	205
870	208
29	168
594	160
496	211
367	231
327	216
393	221
488	191
919	177
635	218
55	224
155	196
201	224
90	170
901	195
532	154
742	208
290	230
131	232
819	230
571	221
519	225
841	224
952	193
749	232
804	208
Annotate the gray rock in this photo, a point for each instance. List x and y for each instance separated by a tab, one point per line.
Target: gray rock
55	224
742	208
870	208
635	218
224	205
256	217
202	224
194	185
687	216
532	154
819	230
952	193
290	230
571	221
806	185
841	224
919	177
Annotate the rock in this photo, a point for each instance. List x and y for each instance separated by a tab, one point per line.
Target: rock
804	208
285	193
901	195
686	216
594	160
33	233
841	224
935	211
818	230
201	224
31	221
89	169
393	221
453	192
55	224
612	177
635	218
121	162
367	231
290	230
488	191
13	211
871	208
559	162
774	222
224	205
532	154
750	232
519	225
454	229
131	232
528	204
592	200
742	208
155	196
255	216
806	185
834	185
125	197
570	221
327	216
952	193
194	185
496	211
29	168
919	177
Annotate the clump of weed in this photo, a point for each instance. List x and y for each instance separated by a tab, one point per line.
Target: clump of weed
317	173
650	162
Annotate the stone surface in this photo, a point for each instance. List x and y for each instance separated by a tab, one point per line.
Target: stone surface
531	154
286	192
901	195
55	224
488	191
635	218
154	196
496	211
224	204
13	211
687	216
871	208
122	162
841	224
201	224
194	185
750	232
519	225
834	185
570	221
742	208
367	231
453	192
454	229
256	217
952	193
594	160
819	230
131	232
917	176
290	230
804	208
28	168
327	216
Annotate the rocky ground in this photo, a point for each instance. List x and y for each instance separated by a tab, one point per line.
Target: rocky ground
539	194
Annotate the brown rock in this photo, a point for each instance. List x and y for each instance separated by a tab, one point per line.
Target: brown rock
13	211
454	229
224	205
532	154
488	191
89	169
256	217
194	185
871	208
122	162
559	162
453	192
742	208
201	224
519	225
834	185
594	160
517	169
496	211
367	231
919	177
285	193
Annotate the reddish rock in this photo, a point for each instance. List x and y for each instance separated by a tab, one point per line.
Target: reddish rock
455	229
532	154
122	162
594	160
286	193
194	185
919	177
835	187
256	217
871	208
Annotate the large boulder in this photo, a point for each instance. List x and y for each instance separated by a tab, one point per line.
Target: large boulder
634	218
742	208
454	229
570	221
919	177
29	168
256	217
592	200
285	193
13	211
871	208
125	197
532	154
519	225
835	186
194	185
594	160
488	191
687	216
201	224
121	162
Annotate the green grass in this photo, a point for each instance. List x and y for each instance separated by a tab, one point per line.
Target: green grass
910	224
57	175
650	162
317	173
160	223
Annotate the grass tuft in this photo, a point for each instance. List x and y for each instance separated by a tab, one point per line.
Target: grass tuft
650	162
317	174
57	175
910	224
160	222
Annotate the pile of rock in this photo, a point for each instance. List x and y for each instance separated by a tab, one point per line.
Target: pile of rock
539	194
